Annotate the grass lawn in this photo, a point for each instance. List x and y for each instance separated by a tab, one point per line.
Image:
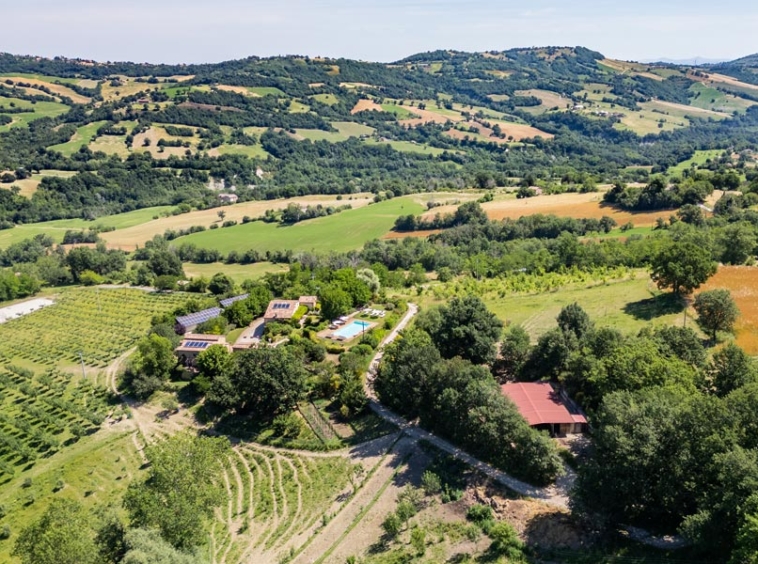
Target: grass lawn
698	159
320	135
41	109
627	305
400	111
345	130
298	107
252	151
83	136
408	147
647	122
711	98
238	272
341	232
266	91
56	229
328	99
42	77
352	129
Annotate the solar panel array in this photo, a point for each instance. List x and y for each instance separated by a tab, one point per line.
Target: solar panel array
281	306
229	301
193	319
196	344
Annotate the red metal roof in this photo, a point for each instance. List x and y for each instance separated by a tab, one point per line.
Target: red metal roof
540	404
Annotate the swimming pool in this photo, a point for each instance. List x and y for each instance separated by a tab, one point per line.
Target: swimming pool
355	328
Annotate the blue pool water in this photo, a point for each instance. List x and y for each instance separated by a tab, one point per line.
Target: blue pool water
353	329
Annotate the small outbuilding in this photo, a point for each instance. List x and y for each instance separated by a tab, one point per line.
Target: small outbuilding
193	344
186	323
225	303
308	301
546	408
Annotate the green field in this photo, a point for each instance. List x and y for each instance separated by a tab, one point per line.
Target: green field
345	130
57	229
626	300
627	305
407	147
266	91
328	99
342	232
83	136
352	129
252	151
298	107
42	77
41	109
698	159
711	98
238	272
114	144
400	111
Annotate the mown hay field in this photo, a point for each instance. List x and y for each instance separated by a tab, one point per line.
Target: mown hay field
575	205
57	228
344	231
129	238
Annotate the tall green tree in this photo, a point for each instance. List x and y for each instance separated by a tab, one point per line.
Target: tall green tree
181	489
261	381
731	368
464	328
144	546
151	365
682	266
717	311
214	361
63	535
334	301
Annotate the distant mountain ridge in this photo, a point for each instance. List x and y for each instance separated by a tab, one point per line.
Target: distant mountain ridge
692	61
748	61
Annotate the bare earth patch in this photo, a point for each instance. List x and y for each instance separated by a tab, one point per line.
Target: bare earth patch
366	105
549	99
238	90
427	116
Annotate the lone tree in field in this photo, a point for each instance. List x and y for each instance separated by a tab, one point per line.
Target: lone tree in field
682	267
716	311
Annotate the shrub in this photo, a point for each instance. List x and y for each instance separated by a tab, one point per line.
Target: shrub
431	483
5	532
90	278
392	525
479	513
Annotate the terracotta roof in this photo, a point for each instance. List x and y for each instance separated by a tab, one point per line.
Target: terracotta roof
540	404
281	309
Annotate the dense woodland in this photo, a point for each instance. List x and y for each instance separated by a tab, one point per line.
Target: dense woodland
582	144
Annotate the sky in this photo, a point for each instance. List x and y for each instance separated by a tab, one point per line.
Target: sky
200	31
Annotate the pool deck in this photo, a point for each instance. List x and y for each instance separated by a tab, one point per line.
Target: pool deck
328	334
